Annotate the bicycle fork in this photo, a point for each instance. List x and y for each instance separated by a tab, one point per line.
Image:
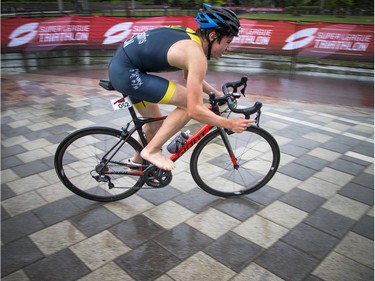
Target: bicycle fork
228	146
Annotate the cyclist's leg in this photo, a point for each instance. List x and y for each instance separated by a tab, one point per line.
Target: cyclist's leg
149	129
176	120
153	89
151	110
148	109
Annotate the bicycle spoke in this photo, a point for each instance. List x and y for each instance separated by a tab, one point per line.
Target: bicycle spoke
80	165
257	157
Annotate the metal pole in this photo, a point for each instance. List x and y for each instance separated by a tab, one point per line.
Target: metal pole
60	5
132	11
321	6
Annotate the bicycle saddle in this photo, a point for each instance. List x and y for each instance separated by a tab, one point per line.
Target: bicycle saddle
106	85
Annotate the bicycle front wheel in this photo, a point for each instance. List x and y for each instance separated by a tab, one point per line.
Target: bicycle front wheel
82	166
257	156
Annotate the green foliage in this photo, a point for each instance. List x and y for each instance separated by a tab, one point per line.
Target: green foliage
310	8
338	4
211	2
257	3
312	18
146	2
297	3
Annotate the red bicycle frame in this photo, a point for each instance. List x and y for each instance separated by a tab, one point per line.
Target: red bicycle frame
198	135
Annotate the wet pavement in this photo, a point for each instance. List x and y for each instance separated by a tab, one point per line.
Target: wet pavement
313	221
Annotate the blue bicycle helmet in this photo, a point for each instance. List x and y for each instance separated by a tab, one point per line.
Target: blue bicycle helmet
222	19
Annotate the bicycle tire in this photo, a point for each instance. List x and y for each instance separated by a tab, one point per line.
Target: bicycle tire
77	158
257	154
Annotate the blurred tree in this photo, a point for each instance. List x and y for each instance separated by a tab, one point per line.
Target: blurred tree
339	6
363	7
280	3
296	6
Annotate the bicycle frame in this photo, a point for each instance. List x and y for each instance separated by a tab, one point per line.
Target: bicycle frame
111	168
195	138
112	158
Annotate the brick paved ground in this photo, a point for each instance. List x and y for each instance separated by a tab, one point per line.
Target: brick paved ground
313	221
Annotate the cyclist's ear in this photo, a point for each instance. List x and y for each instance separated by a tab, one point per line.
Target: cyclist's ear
213	35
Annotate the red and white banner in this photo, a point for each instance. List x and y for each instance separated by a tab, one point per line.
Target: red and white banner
318	40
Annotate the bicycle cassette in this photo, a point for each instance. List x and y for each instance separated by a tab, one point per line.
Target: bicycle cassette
156	177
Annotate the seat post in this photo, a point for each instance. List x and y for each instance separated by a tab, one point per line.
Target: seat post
133	114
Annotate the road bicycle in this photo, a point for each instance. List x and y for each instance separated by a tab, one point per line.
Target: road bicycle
97	162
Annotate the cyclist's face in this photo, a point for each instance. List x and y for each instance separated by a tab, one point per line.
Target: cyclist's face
220	46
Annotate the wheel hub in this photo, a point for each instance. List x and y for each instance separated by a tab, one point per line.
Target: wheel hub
101	168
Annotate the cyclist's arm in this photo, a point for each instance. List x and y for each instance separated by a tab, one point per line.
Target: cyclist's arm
196	64
207	88
201	113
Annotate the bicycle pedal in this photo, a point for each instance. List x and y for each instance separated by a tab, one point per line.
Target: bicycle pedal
134	166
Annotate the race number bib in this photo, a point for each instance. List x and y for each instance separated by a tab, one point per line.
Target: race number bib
122	103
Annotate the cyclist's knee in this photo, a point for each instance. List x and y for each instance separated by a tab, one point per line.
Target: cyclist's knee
150	110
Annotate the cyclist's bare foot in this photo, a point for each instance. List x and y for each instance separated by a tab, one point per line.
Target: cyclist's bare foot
158	159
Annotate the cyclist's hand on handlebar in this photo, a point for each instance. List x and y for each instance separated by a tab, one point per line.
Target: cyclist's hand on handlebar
240	124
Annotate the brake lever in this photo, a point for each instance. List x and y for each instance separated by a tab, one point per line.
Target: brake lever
244	88
257	118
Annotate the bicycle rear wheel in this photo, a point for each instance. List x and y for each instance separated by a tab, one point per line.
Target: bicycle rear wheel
81	168
257	154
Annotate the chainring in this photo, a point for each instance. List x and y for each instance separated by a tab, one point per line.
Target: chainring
156	177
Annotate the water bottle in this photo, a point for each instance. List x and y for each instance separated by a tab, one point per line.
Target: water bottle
178	141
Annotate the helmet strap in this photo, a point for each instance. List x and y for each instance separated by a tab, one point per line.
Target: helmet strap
209	49
210	43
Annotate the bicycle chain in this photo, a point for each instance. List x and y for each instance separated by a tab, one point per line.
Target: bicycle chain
154	177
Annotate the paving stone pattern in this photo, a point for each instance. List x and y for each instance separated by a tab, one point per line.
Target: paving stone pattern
313	221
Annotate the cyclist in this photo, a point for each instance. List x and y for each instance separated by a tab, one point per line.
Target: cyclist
168	49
